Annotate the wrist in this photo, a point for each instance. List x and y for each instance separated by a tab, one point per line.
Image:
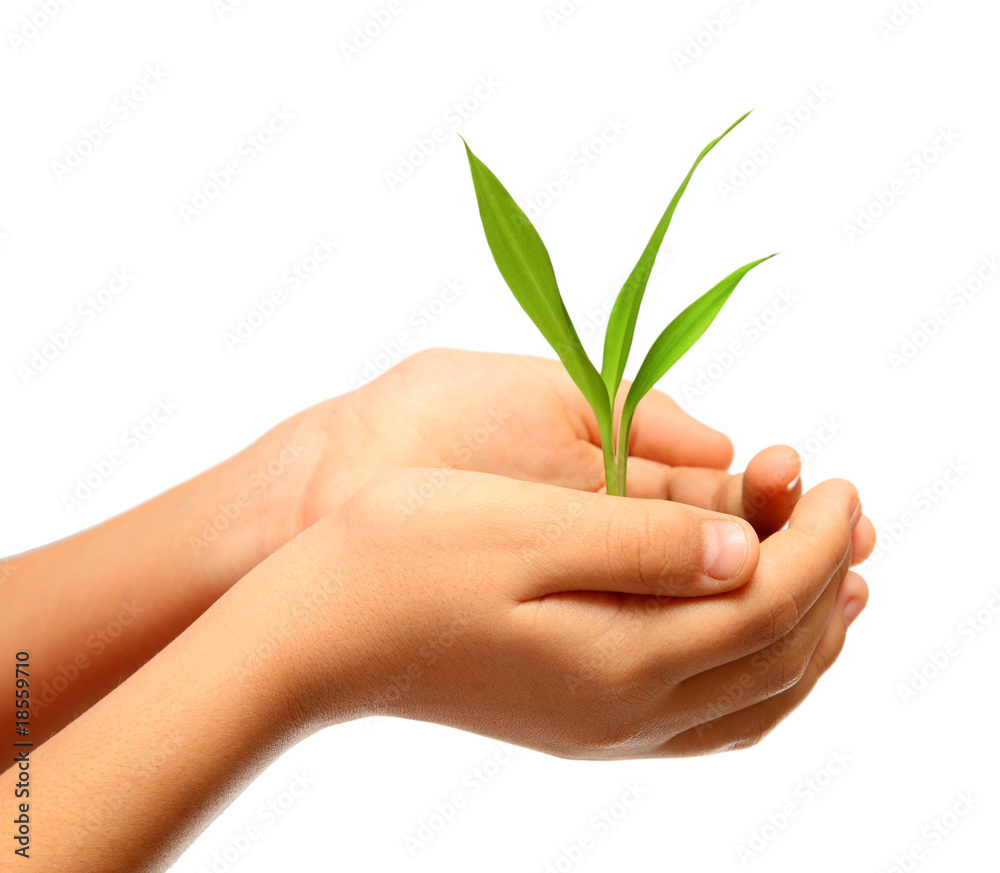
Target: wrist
255	502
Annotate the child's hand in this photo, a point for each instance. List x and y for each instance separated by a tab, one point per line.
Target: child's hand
523	418
578	624
581	625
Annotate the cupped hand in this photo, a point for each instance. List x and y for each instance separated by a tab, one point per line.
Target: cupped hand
578	624
523	418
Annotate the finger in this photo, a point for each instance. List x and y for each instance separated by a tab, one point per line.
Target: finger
771	488
762	675
647	547
748	726
705	487
662	431
794	568
764	495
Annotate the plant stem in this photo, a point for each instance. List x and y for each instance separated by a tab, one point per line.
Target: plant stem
615	463
621	455
621	461
608	448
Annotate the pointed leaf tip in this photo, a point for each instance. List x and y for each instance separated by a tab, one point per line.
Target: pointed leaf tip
524	263
682	333
625	312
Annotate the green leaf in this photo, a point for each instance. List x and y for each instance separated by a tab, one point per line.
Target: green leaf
525	265
621	322
682	333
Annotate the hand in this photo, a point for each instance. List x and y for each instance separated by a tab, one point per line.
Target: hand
577	624
519	417
523	418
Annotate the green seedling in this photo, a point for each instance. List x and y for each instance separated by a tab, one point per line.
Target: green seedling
525	265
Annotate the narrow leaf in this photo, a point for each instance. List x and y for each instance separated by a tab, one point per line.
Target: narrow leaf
682	333
526	267
621	322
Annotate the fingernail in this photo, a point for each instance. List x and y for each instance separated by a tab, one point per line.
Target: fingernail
855	512
852	609
725	548
794	463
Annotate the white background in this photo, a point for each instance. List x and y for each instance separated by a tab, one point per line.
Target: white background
820	378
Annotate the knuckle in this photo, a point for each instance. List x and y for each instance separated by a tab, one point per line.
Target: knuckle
781	617
786	671
387	499
610	735
777	678
415	371
618	708
754	728
799	663
634	550
362	507
422	358
747	742
614	684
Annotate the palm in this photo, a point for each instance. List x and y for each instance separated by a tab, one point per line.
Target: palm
518	417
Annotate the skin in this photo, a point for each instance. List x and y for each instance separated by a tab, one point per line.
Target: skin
435	546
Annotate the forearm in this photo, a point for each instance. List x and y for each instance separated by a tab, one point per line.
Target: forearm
91	609
131	782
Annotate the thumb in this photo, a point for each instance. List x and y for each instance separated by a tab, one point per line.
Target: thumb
635	546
